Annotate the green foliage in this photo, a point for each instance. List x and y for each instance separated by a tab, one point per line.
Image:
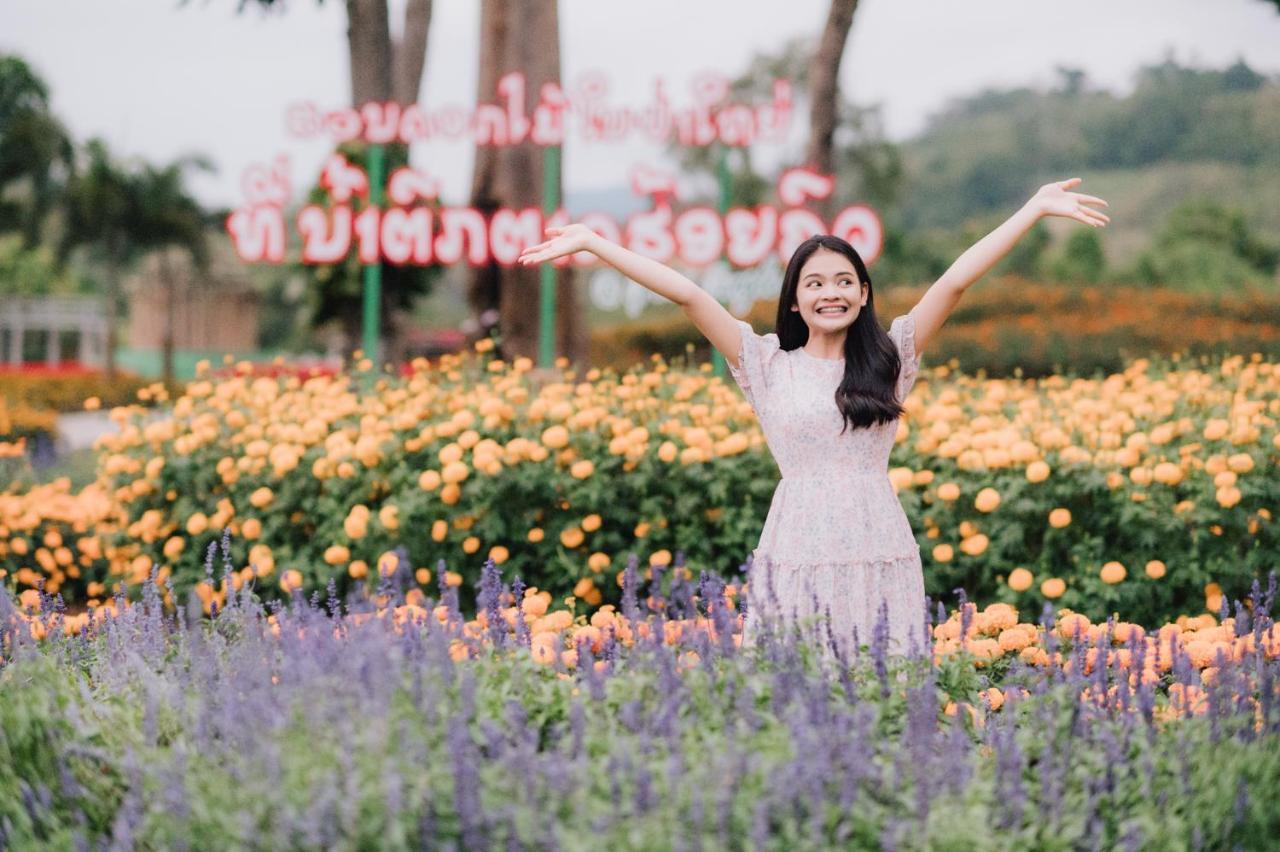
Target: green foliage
1026	258
335	292
35	271
35	149
1082	260
1208	247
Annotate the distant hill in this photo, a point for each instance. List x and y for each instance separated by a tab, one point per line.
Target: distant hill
1181	133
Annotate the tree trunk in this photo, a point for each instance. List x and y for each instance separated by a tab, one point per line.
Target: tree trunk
113	295
385	70
512	176
369	46
166	341
824	86
409	56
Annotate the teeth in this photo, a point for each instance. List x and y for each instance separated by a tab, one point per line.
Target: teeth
831	310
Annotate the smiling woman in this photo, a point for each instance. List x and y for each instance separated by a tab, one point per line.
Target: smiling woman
828	387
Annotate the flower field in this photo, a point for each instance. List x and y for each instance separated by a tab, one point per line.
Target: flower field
1147	493
396	721
486	606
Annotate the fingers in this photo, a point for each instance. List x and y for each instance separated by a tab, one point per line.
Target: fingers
1092	199
1097	214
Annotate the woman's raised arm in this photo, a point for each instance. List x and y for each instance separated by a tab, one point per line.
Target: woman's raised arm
712	319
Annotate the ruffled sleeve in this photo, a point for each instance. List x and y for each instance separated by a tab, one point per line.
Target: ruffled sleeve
755	354
902	331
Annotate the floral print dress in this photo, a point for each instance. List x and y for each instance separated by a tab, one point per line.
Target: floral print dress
835	529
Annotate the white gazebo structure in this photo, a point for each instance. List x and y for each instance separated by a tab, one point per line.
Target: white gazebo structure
54	315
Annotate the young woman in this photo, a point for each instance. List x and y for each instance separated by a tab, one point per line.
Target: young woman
827	386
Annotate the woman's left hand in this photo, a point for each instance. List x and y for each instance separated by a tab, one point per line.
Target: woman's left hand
1053	199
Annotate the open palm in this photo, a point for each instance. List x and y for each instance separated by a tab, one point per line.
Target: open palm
567	240
1053	199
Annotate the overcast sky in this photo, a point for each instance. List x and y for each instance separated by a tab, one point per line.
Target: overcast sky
158	79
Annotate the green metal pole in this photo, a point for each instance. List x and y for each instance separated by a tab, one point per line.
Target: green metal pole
722	173
373	271
550	203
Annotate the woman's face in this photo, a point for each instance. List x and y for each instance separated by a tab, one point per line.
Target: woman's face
828	294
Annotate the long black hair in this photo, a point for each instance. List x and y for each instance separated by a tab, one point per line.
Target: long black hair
868	392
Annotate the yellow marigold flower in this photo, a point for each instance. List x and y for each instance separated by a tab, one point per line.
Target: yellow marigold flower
667	451
582	469
1240	462
261	498
572	536
1053	587
943	553
1112	572
642	529
1059	518
454	472
1141	475
1228	497
660	557
975	544
387	563
1225	479
429	480
262	560
336	554
174	546
948	491
470	544
439	530
1216	429
987	500
358	569
1155	569
498	554
93	403
355	525
197	523
591	522
1037	471
291	580
536	534
555	437
1020	579
251	528
423	576
598	561
900	478
1167	473
389	516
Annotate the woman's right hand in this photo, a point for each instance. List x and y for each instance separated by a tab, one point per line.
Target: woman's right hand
567	240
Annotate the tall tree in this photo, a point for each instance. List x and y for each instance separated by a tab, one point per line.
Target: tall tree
164	215
383	68
824	86
99	214
519	35
35	149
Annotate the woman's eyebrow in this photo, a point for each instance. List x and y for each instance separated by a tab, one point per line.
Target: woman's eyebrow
819	275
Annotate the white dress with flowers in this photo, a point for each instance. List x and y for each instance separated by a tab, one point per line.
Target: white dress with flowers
835	527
